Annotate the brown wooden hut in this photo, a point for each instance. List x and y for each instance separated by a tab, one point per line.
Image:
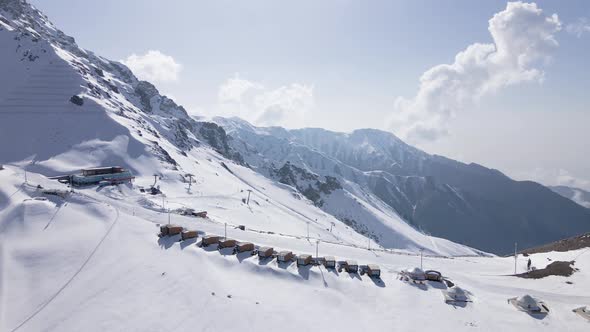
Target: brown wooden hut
209	240
245	246
265	252
303	260
174	229
227	243
285	256
185	235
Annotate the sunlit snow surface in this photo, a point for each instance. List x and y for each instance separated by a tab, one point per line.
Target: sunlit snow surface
94	262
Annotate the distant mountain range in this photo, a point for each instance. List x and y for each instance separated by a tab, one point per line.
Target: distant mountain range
577	195
381	175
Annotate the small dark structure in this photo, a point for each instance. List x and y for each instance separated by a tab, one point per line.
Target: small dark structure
245	246
285	256
349	266
227	243
77	100
209	240
163	230
170	230
174	229
373	271
303	260
185	235
433	275
330	262
265	252
102	170
110	175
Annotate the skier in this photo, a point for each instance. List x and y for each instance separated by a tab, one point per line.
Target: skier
528	265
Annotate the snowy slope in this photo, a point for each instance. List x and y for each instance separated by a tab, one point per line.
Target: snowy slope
93	262
466	203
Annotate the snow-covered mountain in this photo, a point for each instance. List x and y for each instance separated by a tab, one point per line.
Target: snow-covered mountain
91	259
467	203
64	108
577	195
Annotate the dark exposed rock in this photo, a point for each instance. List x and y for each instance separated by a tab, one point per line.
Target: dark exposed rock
309	184
216	137
557	268
145	91
572	243
77	100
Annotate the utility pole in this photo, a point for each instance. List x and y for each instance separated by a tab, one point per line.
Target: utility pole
225	232
190	180
308	231
248	201
331	225
515	256
168	216
317	244
421	251
369	246
163	207
25	176
155	179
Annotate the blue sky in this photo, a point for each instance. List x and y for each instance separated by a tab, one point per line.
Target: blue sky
342	65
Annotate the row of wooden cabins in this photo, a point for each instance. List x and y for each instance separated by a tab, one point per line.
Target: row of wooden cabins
285	256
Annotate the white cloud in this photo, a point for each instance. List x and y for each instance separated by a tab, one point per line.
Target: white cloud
522	40
234	88
284	106
580	27
555	177
154	66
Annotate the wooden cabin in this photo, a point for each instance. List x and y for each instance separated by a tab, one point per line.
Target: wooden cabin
185	235
174	229
303	260
350	266
209	240
285	256
373	271
170	230
227	243
330	262
245	246
265	252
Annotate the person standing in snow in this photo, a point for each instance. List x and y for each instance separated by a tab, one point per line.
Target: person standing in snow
528	265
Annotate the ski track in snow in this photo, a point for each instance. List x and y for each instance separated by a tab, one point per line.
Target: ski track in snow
61	289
